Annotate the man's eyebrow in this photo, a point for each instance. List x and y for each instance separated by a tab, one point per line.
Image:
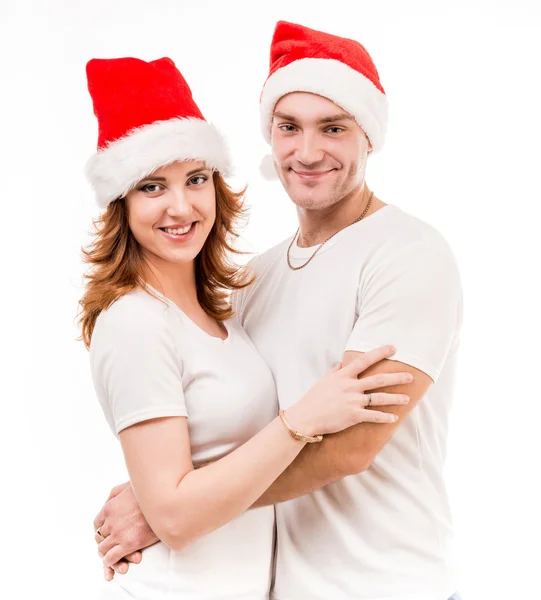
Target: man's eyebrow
324	120
280	115
334	118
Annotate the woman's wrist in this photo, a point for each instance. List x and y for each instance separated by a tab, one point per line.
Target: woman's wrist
298	435
299	422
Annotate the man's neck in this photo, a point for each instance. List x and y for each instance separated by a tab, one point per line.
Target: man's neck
318	225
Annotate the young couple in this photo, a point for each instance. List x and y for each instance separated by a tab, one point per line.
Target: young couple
277	446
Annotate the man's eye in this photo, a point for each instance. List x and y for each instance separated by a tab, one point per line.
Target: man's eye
287	128
335	129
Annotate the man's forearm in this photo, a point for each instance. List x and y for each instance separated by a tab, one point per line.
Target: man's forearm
347	452
316	466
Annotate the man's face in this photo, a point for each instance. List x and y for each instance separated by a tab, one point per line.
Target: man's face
319	150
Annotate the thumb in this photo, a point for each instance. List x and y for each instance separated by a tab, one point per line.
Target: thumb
117	489
335	368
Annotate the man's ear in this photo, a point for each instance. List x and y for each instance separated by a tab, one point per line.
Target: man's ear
368	140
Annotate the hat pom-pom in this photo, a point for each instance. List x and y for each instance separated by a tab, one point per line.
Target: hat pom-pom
267	168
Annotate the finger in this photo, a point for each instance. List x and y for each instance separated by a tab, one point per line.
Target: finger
106	545
368	359
116	554
99	520
376	416
380	380
108	573
100	534
134	557
120	567
335	368
383	399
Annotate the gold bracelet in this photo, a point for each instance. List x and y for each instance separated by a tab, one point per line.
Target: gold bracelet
297	434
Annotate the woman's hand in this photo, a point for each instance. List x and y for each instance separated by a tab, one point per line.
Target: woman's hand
341	399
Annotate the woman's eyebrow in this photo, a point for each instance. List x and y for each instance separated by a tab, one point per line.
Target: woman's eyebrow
152	178
193	171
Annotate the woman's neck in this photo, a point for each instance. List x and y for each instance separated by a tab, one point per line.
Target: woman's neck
175	281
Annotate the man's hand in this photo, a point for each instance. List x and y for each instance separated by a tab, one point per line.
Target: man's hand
121	531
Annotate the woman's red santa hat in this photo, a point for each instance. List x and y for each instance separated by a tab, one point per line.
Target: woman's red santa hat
340	69
147	119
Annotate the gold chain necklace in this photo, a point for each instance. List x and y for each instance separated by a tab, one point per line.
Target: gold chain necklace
324	242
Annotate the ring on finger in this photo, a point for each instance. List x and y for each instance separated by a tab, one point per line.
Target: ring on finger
98	531
369	400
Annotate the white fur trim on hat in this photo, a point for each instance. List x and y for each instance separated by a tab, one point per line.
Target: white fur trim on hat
116	169
334	80
267	168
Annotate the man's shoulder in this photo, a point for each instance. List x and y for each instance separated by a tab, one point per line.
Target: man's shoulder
260	266
396	231
260	263
409	251
406	227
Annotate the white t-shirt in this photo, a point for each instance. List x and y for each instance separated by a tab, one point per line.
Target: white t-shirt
150	360
389	279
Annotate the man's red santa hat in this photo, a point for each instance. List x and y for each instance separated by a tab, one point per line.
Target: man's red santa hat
340	69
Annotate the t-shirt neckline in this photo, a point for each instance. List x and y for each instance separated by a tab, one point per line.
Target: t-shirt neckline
187	319
297	252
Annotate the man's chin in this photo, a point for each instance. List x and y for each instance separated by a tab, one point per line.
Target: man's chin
310	201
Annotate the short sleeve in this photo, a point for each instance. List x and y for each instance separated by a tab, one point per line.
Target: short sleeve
413	301
135	366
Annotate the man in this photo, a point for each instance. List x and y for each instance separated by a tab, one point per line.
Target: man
363	514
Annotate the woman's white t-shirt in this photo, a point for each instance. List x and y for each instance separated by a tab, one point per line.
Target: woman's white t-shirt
149	360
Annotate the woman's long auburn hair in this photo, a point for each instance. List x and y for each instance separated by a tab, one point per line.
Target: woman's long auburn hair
117	265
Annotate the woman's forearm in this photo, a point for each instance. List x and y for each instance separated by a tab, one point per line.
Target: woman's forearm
205	499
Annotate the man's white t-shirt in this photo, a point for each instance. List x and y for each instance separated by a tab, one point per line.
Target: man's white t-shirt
386	533
149	360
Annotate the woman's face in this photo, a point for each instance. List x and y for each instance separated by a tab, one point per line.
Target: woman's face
172	211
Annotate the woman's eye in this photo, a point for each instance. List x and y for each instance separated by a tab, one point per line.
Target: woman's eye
150	188
197	180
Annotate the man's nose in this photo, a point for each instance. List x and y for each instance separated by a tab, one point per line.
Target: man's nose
309	150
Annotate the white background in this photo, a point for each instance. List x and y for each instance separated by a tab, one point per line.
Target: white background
463	153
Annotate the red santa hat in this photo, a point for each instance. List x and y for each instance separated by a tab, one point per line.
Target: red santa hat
340	69
147	119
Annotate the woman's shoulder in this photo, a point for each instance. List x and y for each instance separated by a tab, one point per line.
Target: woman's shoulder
137	314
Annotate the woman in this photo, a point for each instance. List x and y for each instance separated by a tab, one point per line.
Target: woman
180	383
